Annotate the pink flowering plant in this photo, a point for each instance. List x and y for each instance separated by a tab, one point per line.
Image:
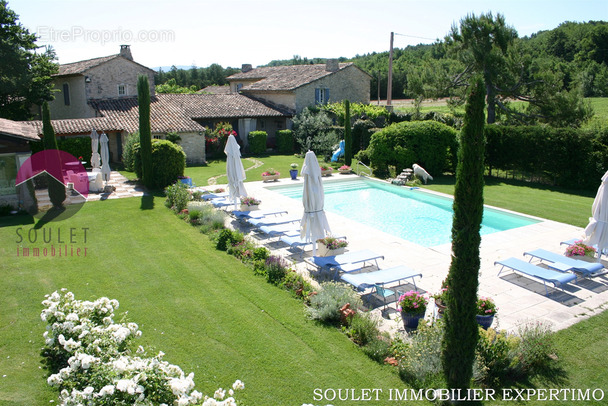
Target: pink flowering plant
486	307
412	302
250	201
344	168
580	249
270	172
332	243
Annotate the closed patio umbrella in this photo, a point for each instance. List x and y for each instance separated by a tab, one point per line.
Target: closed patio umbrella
596	232
234	171
314	223
95	164
105	158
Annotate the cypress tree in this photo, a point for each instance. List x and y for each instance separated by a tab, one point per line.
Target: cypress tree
56	188
145	135
348	140
461	330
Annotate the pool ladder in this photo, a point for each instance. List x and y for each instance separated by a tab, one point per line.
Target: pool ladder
365	172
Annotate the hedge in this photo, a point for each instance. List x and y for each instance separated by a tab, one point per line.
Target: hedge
568	157
77	146
257	142
285	142
168	162
430	144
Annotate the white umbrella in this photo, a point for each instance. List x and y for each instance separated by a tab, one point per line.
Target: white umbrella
314	224
94	147
234	170
105	158
596	232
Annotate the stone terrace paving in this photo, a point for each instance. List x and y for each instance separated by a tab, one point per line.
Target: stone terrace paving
519	299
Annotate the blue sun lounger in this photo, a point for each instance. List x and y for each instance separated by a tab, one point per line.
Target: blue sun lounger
364	280
275	230
348	262
209	196
256	214
271	221
544	274
564	263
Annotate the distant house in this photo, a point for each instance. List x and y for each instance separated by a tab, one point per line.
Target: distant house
298	86
101	94
15	138
108	77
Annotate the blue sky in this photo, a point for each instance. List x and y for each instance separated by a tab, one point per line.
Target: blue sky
233	32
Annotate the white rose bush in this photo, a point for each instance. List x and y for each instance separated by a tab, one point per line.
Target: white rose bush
89	357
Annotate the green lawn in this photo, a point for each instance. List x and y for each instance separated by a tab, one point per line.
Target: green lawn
202	307
552	203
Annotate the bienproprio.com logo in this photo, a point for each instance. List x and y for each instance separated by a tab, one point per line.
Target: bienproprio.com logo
102	36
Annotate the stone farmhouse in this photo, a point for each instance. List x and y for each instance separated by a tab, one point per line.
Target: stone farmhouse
101	94
298	86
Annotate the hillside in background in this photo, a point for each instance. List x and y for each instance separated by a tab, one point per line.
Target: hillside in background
577	51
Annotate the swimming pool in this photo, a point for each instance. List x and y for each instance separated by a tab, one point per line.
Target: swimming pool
412	214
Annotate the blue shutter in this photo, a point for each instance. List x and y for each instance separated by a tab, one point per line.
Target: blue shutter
327	95
317	95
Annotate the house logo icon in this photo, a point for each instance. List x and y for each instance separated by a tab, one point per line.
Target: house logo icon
52	185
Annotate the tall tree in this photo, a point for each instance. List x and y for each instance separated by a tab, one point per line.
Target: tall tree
348	139
461	330
25	75
482	44
145	134
56	188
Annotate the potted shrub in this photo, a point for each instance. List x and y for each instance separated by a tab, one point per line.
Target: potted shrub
249	203
294	171
270	174
326	170
330	246
486	309
582	251
412	306
345	169
439	298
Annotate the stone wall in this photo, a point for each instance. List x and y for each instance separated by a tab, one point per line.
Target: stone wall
350	83
105	79
194	147
78	107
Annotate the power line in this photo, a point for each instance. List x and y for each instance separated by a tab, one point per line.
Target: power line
413	36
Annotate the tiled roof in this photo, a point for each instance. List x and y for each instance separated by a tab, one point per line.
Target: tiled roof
215	90
80	67
164	116
168	113
76	68
209	106
77	125
275	78
18	129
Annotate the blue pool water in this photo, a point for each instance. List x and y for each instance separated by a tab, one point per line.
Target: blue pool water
412	214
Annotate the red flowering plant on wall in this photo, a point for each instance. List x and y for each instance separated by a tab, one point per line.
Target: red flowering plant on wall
215	139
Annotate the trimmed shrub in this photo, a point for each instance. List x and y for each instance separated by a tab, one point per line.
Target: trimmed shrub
285	142
313	131
362	133
168	162
427	143
257	142
77	146
146	172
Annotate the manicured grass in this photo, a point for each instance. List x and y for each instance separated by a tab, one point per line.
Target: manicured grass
552	203
202	307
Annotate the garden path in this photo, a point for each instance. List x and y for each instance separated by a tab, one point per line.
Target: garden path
256	164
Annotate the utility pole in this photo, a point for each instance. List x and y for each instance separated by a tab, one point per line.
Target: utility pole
389	87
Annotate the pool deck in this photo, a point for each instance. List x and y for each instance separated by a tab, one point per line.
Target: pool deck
520	299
